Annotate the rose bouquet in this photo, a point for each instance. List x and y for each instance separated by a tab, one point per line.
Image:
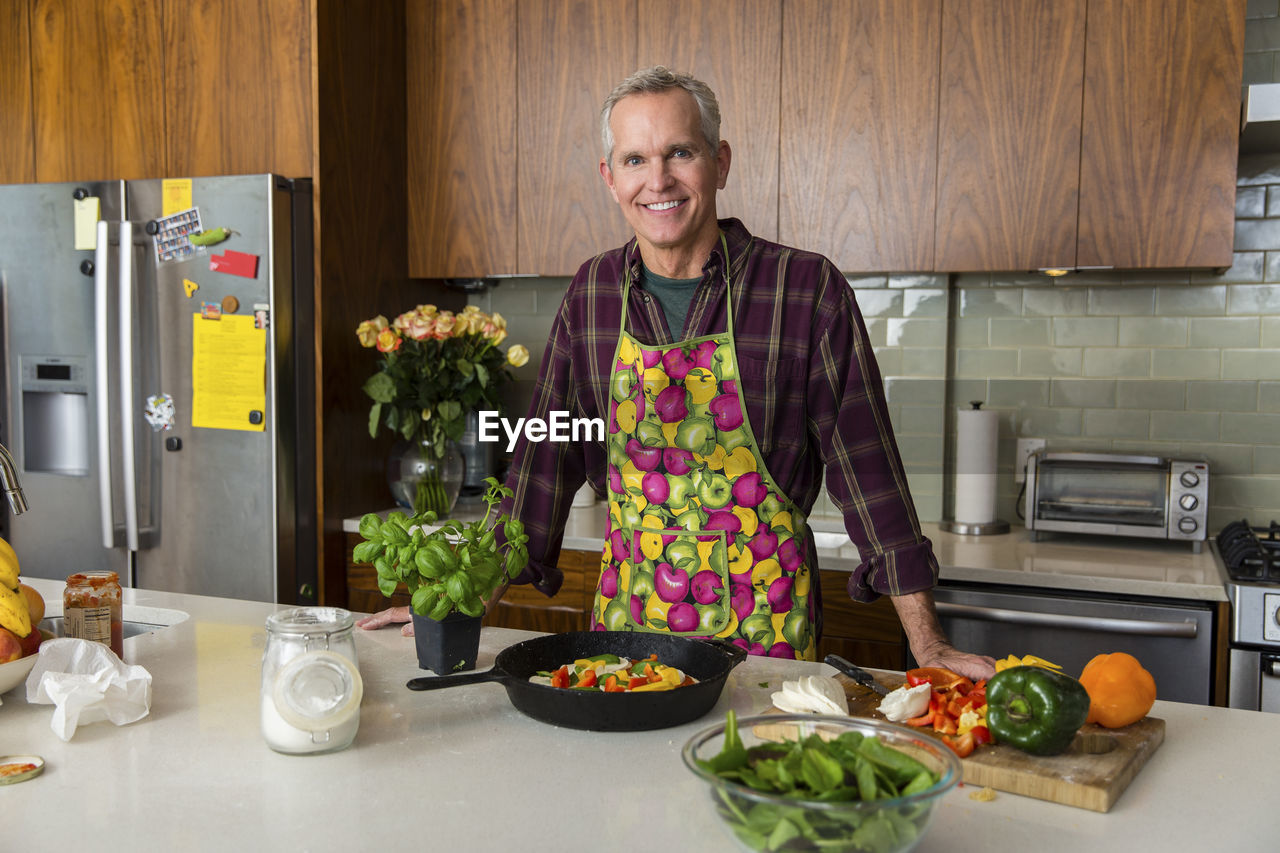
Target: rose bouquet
435	367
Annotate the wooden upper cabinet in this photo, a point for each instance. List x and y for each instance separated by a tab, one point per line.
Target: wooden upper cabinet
728	44
237	87
97	88
461	127
17	143
1009	134
570	55
1161	133
859	131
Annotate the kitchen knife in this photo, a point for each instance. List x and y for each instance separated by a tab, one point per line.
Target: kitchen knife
857	673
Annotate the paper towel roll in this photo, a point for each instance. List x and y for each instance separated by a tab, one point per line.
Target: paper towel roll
976	433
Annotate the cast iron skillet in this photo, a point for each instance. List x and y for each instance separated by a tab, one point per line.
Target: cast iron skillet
709	661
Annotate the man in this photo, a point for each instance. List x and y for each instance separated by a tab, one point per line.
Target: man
733	374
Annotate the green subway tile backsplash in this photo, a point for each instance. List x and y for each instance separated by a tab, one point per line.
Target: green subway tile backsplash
1224	396
1082	393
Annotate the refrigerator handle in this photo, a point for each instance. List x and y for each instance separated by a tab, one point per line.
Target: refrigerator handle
129	480
101	345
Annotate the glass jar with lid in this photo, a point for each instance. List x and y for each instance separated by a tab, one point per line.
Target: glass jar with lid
311	685
92	609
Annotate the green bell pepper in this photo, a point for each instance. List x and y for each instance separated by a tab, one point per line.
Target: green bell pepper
1035	709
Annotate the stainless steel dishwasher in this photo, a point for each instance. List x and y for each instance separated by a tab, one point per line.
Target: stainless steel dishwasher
1173	640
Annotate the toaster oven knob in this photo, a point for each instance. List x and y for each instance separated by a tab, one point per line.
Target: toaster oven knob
1187	525
1188	502
1190	479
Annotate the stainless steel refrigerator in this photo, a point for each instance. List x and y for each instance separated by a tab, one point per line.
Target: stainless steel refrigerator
159	386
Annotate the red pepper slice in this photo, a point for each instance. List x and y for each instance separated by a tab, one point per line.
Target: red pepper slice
560	678
961	746
611	685
587	679
981	735
636	681
925	719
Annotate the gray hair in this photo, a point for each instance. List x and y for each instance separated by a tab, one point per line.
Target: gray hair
655	80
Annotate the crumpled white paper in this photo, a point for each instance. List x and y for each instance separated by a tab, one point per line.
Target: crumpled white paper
86	683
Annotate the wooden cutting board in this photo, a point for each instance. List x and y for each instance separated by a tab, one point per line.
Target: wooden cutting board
1092	774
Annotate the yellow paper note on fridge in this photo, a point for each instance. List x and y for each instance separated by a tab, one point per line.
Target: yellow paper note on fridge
228	373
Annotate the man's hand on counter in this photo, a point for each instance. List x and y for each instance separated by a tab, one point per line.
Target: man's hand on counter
390	616
929	645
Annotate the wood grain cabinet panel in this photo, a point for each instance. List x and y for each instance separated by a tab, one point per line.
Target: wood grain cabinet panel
1161	132
17	142
734	47
97	81
869	635
237	85
859	131
570	55
1009	134
460	87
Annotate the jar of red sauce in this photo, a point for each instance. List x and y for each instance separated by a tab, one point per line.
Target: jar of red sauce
91	609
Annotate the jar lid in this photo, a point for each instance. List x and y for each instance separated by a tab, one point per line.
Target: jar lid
310	620
318	690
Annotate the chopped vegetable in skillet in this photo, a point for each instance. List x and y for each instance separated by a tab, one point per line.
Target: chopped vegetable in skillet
613	674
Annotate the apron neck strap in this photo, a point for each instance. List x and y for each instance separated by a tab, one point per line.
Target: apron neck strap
626	288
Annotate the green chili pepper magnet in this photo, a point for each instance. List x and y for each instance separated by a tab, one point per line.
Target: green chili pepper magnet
209	238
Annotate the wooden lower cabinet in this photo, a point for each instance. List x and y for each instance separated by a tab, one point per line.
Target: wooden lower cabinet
870	635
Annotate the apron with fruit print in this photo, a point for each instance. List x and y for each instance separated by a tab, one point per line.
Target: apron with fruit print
701	542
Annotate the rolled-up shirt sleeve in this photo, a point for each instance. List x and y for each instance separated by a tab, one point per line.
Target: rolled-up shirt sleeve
865	478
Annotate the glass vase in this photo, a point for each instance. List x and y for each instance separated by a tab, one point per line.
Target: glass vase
426	476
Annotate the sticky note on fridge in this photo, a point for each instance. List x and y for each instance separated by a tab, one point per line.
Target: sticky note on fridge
87	215
236	263
228	373
175	195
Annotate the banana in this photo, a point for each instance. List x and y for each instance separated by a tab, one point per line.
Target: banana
13	612
8	566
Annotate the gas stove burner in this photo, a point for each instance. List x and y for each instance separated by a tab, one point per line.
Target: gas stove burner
1251	553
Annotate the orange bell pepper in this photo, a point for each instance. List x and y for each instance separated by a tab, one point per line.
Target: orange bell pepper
1120	690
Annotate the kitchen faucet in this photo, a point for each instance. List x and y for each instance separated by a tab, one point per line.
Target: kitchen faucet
12	485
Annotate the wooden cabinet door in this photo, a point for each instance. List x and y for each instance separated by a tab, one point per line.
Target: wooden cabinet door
570	55
17	144
859	131
1009	134
237	87
1161	133
734	47
460	87
97	80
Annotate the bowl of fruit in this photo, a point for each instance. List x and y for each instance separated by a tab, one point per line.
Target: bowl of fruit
21	609
828	783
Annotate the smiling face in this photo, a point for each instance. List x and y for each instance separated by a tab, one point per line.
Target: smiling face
664	176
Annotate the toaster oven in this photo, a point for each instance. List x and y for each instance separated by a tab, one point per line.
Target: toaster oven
1117	495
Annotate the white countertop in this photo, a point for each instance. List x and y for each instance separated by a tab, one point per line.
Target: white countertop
461	769
1088	564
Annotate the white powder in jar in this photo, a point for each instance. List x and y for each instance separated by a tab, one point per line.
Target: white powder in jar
283	737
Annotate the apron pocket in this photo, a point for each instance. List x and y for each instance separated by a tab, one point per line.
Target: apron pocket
679	581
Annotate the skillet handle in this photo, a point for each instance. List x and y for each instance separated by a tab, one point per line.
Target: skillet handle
439	682
737	654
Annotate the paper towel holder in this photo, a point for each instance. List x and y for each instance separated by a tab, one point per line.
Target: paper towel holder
966	528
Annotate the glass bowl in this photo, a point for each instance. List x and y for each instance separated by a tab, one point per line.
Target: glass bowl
772	821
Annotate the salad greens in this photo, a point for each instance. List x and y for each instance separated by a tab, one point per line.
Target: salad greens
851	767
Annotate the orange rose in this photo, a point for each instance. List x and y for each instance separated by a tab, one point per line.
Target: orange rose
389	341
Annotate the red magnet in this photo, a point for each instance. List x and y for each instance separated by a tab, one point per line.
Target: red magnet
236	263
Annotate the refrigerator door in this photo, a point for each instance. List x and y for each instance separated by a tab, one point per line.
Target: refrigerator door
212	507
51	398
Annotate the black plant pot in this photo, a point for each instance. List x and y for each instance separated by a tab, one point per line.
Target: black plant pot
448	645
